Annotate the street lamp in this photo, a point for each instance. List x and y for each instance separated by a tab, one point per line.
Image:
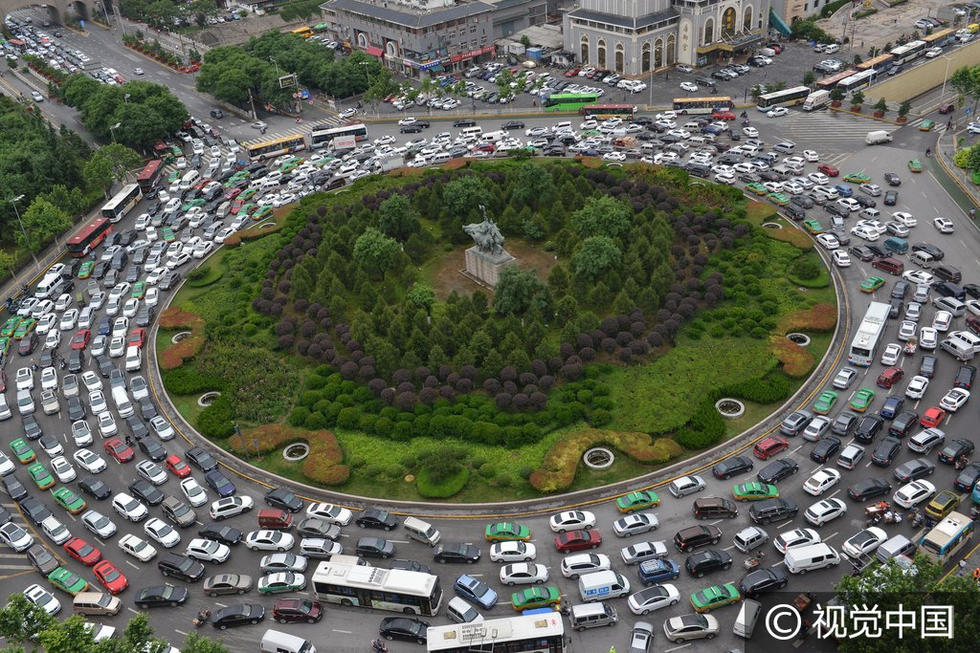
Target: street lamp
112	130
126	98
27	241
942	93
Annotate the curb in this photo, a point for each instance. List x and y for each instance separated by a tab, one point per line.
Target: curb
867	116
545	504
951	174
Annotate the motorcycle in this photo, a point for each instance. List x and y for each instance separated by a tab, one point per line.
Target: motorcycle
379	647
201	618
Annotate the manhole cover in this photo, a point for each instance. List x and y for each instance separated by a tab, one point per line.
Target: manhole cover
207	398
296	451
801	339
598	458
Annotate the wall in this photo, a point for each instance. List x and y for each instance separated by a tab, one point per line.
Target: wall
920	79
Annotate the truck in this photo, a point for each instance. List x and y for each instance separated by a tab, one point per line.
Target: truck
878	137
816	100
599	585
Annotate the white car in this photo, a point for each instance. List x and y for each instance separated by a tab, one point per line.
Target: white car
512	551
15	537
864	542
137	547
162	532
825	511
523	573
63	469
130	508
891	354
331	513
90	461
99	524
91	381
107	424
686	485
841	258
953	400
571	520
944	225
942	320
864	233
68	319
725	178
207	550
162	427
266	540
916	388
230	506
43	599
81	433
130	308
117	347
196	495
690	87
97	402
151	472
751	132
46	324
828	241
6	465
906	330
913	311
49	379
914	493
928	338
811	156
798	537
919	277
54	530
52	340
821	481
904	218
637	553
777	112
640	522
152	296
653	598
973	305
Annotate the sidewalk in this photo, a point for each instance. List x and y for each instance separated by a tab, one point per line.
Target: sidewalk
965	193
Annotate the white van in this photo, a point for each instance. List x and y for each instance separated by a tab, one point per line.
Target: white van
493	137
961	348
922	259
461	612
893	547
877	137
439	158
421	531
747	617
123	404
606	584
831	49
766	52
475	131
224	209
951	304
592	615
801	559
51	285
189	179
786	147
276	641
134	360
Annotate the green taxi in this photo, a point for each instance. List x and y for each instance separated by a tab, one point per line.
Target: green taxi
23	451
5	345
67	582
872	284
825	402
639	500
167	235
41	476
263	212
10	326
779	199
24	328
915	165
862	399
504	531
69	500
926	125
857	178
139	289
812	226
85	271
757	188
535	597
754	491
248	193
716	596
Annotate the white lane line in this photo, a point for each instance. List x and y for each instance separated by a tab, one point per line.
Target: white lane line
180	632
405	541
133	611
222	605
131	565
834	534
716	522
676	648
337	630
796	449
729	548
784	524
834	493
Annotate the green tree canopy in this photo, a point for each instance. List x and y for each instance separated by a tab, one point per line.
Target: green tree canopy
375	251
421	296
110	163
517	290
397	217
595	256
42	222
602	216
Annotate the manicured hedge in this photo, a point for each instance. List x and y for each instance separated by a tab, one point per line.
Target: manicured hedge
215	421
186	380
444	487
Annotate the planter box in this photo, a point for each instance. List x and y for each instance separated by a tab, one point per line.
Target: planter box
835	104
879	114
902	119
856	108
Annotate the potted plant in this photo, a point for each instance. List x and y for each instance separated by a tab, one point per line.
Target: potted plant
880	108
857	99
903	111
836	97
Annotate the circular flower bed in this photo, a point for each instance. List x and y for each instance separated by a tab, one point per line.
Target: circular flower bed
801	339
296	451
598	458
205	400
177	337
772	225
730	408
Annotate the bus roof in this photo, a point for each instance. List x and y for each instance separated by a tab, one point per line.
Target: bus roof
952	525
872	324
874	61
150	169
84	232
709	98
493	631
396	580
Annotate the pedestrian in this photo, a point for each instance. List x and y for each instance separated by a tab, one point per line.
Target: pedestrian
962	567
976	573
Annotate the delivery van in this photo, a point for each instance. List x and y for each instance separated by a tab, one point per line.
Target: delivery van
606	584
421	531
592	615
747	617
877	137
276	641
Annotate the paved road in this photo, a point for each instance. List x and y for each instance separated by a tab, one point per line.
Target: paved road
349	629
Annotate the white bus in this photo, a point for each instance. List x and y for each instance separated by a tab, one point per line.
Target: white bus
324	137
947	538
857	81
864	347
410	592
785	98
539	633
908	52
816	100
123	202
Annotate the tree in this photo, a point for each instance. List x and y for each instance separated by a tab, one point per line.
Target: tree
595	256
197	644
881	105
21	620
381	86
533	186
397	217
808	78
516	290
973	158
837	95
904	108
42	221
108	163
421	296
525	41
602	216
71	636
857	98
375	251
966	80
462	198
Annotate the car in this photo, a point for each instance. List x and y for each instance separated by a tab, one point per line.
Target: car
932	417
955	450
377	518
799	537
864	542
825	402
42	559
284	499
686	485
15	537
110	577
821	480
285	562
146	492
500	531
862	399
825	511
535	597
637	500
872	284
121	452
200	458
222	584
404	628
207	550
777	112
177	467
162	532
23	451
914	493
225	534
59	465
41	598
238	614
137	547
99	524
152	472
653	598
917	387
845	376
512	551
691	87
913	470
375	547
218	482
269	540
67	581
572	520
68	500
641	637
868	488
841	258
891	354
825	448
943	225
523	573
222	508
690	627
760	581
41	476
754	491
731	467
578	540
954	399
157	596
467	553
475	590
331	513
634	524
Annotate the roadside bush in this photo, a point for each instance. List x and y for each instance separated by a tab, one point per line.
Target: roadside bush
819	317
186	380
441	481
806	268
705	428
774	387
215	421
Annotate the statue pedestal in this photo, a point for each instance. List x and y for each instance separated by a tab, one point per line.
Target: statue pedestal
483	267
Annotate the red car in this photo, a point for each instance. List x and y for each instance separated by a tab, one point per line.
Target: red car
578	540
118	450
201	184
297	611
573	72
111	578
933	417
80	339
82	551
236	206
829	170
484	147
723	115
769	447
178	467
136	337
233	193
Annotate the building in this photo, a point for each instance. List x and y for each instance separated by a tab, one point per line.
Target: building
634	37
789	11
412	36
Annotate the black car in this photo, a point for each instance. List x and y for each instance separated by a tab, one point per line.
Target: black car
773	510
32	430
464	122
844	423
143	489
893	179
825	448
731	467
903	424
877	251
147	409
105	365
929	249
972	289
42	560
153	449
144	315
759	581
34	510
868	427
75	408
868	488
157	596
865	201
239	614
219	483
374	547
424	124
862	253
406	628
410	129
891	198
457	552
201	459
138	428
282	498
27	344
954	449
76	361
967	478
410	565
900	289
48	358
512	124
100	269
707	561
95	488
886	451
895	308
964	377
802	201
913	470
376	518
927	366
777	470
180	566
225	534
14	488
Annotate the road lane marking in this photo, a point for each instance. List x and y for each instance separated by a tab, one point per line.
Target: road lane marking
337	630
796	449
133	611
834	493
136	567
181	632
784	524
729	548
834	534
677	648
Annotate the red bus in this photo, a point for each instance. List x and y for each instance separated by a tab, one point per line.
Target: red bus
149	175
90	237
828	83
605	111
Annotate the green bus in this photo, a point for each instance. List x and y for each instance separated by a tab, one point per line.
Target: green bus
569	101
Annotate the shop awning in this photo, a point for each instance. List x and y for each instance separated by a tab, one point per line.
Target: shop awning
374	52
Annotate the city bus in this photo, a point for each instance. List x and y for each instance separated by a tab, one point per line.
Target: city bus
786	98
948	537
938	38
260	150
123	202
149	175
568	101
324	137
880	63
539	633
89	237
305	32
908	52
691	105
604	111
857	81
398	590
864	347
828	83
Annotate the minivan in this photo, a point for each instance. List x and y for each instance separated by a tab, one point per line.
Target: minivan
421	531
947	272
275	519
953	305
96	603
592	615
276	641
801	559
922	259
948	289
747	617
895	244
461	612
714	508
785	147
894	546
605	584
889	265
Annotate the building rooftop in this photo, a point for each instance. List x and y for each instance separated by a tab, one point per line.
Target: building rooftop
625	21
404	15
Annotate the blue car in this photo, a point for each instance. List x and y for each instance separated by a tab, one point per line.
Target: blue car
844	191
475	590
105	325
657	570
219	483
891	408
